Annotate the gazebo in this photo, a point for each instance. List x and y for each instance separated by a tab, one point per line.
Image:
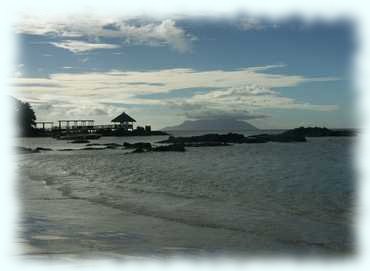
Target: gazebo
124	121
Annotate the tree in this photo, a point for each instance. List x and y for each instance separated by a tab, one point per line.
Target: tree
26	118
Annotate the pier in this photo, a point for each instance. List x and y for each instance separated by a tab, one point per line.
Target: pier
122	125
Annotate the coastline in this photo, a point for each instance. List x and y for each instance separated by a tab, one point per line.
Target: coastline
52	227
141	225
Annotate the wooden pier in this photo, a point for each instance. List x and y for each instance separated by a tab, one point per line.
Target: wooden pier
122	125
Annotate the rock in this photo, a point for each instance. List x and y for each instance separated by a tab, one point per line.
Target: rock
85	149
177	147
139	145
206	144
318	132
225	138
92	149
79	141
232	138
263	138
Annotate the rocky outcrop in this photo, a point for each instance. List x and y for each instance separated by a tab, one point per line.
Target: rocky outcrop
206	144
293	135
178	144
144	146
232	138
318	132
263	138
223	138
141	147
172	147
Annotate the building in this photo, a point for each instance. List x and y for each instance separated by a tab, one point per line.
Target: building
124	122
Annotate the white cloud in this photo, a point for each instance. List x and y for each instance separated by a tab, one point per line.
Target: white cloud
82	46
249	89
252	97
151	33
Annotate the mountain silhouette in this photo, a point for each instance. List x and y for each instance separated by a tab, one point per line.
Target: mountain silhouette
212	125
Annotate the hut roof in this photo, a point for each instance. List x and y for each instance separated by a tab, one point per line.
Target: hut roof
123	118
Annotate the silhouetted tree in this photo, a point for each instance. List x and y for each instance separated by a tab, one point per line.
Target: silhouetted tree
25	118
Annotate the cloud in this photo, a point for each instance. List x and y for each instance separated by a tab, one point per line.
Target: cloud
76	46
236	93
134	32
253	97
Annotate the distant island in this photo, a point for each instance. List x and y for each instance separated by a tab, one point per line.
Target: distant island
212	125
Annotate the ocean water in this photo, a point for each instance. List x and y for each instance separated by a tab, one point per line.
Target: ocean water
247	199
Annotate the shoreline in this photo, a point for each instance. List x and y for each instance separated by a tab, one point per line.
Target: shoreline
52	227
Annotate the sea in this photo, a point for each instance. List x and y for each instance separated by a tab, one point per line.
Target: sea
246	199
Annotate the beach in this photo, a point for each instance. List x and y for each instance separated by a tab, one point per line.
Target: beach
247	199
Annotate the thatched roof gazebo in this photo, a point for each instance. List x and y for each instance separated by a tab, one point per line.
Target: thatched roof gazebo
124	121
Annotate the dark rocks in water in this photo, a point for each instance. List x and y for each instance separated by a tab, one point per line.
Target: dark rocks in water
177	147
206	144
79	141
263	138
318	132
139	145
84	149
24	150
43	149
294	135
225	138
91	149
232	138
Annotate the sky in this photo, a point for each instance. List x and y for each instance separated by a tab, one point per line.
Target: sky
162	71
